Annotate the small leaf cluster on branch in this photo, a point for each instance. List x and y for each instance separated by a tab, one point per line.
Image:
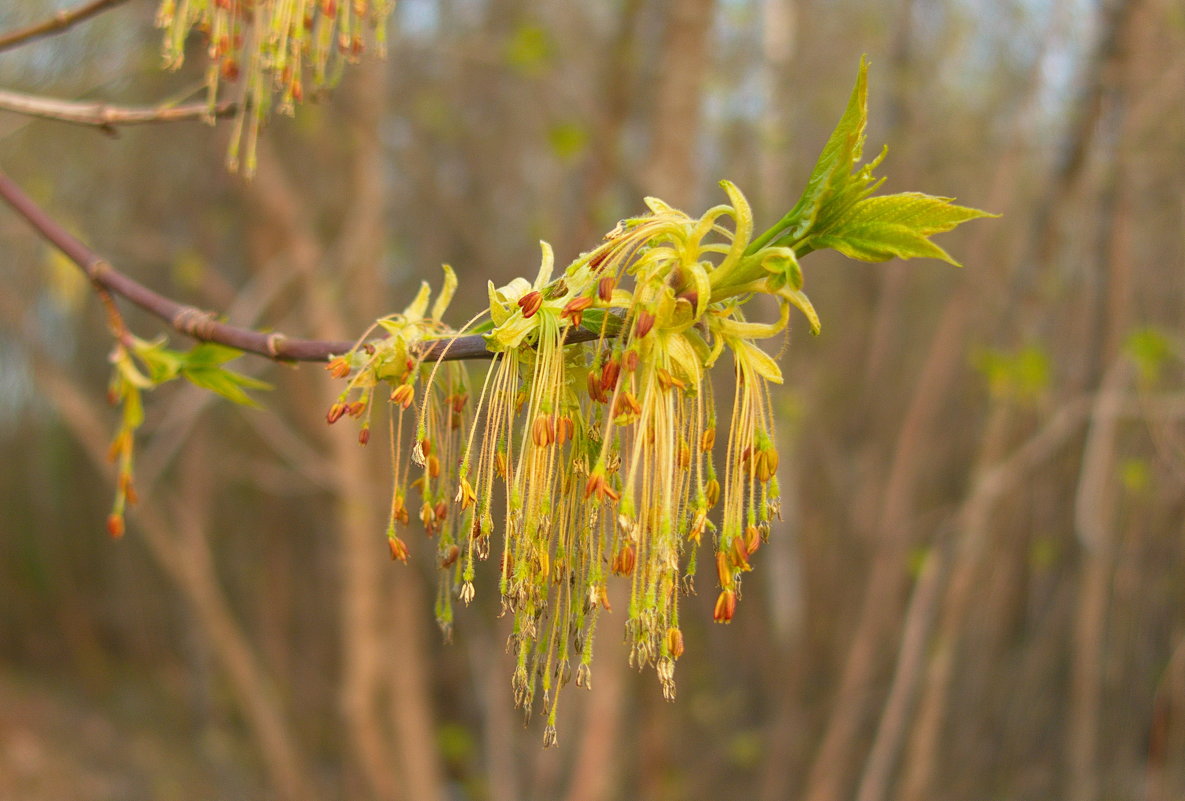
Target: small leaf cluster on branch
267	47
586	460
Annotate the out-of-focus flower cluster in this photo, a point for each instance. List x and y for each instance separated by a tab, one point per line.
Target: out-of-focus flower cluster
267	49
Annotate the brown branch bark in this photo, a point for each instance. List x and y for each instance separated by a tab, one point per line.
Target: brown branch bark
57	23
203	325
107	116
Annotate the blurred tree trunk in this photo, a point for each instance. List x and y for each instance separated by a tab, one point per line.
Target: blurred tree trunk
178	544
671	170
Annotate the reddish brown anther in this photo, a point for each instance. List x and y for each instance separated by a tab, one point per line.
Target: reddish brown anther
530	302
565	430
335	413
666	380
752	539
630	360
399	510
627	404
575	309
440	510
599	259
398	549
609	374
707	439
115	526
543	430
644	324
364	436
595	390
624	560
740	556
338	368
674	642
723	572
712	492
433	465
450	556
726	607
605	288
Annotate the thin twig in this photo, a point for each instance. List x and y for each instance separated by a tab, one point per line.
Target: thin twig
57	23
204	325
106	115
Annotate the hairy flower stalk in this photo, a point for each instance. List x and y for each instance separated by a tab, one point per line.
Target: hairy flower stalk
599	459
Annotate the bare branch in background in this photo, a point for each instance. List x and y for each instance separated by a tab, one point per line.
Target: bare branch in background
57	23
203	325
107	116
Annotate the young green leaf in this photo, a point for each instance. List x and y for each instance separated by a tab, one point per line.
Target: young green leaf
832	172
226	383
892	226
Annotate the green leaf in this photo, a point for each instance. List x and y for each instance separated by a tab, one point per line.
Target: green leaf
892	226
832	172
226	383
211	354
594	319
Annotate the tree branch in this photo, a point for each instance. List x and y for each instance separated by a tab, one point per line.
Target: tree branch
57	23
204	325
107	116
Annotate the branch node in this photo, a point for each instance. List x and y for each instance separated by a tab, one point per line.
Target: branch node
195	322
275	341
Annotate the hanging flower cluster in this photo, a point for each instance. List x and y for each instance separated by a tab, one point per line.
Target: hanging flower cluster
593	446
271	48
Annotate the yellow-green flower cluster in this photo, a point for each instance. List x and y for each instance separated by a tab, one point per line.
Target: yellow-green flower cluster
592	448
590	460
